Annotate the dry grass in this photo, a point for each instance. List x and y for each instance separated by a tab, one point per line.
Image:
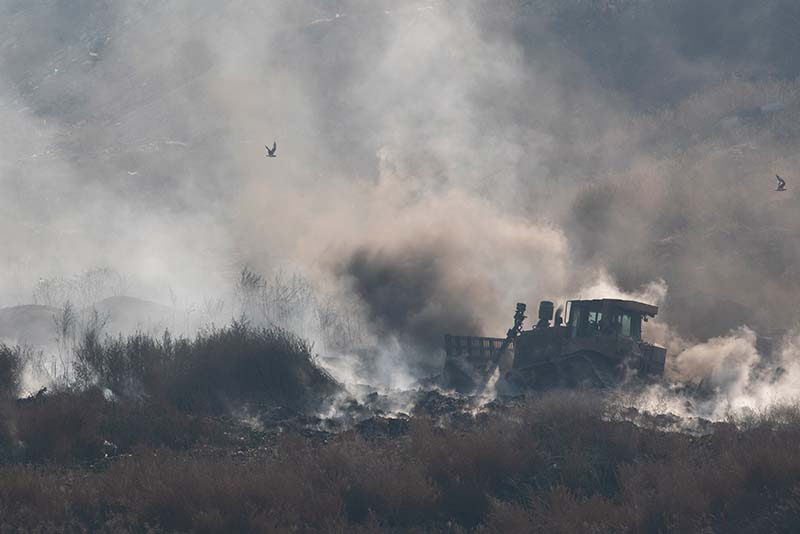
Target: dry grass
551	465
83	428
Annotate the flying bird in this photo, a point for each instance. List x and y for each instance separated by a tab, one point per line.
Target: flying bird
781	184
271	152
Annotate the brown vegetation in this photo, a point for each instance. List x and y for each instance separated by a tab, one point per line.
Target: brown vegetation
217	370
150	443
553	464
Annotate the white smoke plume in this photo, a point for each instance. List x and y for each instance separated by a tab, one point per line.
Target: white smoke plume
437	162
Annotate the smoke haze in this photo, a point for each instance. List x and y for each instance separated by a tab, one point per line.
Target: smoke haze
437	161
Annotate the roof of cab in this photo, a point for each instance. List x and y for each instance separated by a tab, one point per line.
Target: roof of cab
629	305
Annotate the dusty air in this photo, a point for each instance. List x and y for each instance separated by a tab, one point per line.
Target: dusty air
518	266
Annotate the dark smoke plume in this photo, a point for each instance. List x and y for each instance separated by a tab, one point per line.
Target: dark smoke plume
408	295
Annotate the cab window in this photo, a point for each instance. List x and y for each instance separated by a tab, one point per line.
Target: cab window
585	322
625	325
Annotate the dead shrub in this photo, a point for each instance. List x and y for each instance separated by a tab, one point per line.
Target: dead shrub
11	363
219	368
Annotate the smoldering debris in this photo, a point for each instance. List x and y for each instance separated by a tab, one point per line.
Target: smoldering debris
384	427
667	422
368	410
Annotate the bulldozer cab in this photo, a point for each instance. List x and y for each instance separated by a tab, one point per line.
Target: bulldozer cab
607	317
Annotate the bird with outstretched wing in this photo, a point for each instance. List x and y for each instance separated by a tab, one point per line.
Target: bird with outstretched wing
781	184
271	151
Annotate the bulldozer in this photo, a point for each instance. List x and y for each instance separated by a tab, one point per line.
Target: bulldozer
599	346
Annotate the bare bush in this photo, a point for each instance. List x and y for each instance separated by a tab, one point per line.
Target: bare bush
92	363
241	363
236	364
290	301
66	324
249	288
12	360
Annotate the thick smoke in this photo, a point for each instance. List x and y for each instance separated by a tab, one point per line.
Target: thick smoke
437	161
441	273
408	294
727	378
